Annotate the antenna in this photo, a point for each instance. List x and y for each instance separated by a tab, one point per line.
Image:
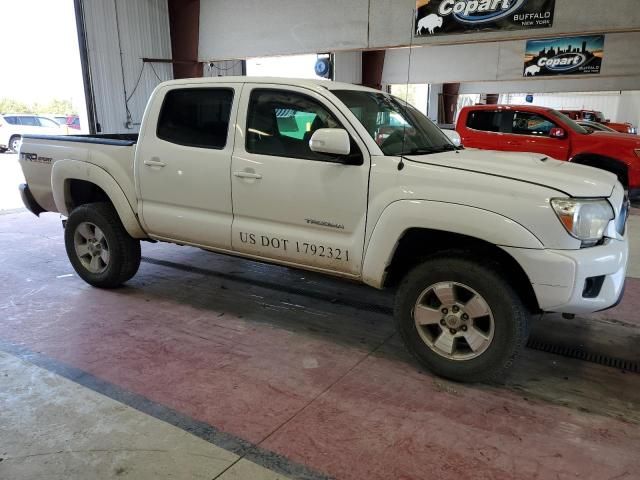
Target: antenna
414	13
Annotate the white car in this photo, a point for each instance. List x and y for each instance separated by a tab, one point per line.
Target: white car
13	126
298	173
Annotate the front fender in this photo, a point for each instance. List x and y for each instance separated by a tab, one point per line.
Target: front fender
64	170
403	215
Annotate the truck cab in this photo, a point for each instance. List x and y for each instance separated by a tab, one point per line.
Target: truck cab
528	128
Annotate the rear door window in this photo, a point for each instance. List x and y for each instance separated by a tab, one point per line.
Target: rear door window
196	117
485	120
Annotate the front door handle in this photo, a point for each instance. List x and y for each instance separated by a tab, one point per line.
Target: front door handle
247	175
154	162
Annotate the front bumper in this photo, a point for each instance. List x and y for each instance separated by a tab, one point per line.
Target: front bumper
29	202
560	278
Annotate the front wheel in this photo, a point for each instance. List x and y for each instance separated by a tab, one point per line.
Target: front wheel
461	319
98	246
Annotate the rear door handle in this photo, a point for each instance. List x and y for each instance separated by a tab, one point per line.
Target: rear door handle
247	175
154	162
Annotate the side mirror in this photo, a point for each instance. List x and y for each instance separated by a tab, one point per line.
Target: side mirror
334	141
557	132
454	137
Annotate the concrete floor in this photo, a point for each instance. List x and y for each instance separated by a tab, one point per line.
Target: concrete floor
206	366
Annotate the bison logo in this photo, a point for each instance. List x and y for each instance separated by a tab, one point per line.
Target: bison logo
429	23
533	70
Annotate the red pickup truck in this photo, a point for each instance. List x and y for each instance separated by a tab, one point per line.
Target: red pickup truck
546	131
595	116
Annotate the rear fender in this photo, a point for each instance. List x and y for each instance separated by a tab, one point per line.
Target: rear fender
65	170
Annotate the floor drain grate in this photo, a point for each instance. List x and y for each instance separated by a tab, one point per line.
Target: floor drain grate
580	354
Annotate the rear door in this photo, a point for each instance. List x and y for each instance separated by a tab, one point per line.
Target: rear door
529	132
289	203
28	125
483	130
183	161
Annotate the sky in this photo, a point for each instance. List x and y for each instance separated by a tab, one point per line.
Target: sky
39	52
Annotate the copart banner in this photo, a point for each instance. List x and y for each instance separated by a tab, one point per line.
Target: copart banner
446	17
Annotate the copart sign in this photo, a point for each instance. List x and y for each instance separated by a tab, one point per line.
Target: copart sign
564	56
442	17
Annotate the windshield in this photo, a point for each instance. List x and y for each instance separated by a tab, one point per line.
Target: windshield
398	128
572	124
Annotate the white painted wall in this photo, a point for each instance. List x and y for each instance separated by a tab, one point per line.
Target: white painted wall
246	28
617	106
347	67
498	61
253	28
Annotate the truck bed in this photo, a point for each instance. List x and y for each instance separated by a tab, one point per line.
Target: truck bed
122	139
114	153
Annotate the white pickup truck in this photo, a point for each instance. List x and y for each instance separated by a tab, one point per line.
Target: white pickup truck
351	182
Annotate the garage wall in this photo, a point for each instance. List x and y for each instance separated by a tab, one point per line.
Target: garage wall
347	67
257	28
617	106
246	28
501	61
119	34
389	22
224	68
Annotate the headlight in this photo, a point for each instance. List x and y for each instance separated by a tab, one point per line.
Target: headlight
585	219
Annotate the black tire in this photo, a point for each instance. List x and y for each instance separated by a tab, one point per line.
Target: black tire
124	251
510	317
13	139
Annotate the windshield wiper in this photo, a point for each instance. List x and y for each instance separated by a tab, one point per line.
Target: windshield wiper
429	150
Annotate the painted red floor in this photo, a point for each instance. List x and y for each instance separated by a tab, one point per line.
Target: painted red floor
325	384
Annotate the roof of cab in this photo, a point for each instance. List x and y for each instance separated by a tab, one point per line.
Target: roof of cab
531	108
303	82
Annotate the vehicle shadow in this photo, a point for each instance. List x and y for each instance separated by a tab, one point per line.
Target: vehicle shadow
350	315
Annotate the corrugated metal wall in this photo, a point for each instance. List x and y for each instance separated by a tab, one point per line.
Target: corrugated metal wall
119	34
224	68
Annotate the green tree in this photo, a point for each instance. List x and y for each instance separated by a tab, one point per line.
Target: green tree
62	107
55	106
9	105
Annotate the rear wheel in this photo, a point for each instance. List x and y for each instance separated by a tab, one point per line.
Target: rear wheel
461	319
99	248
14	143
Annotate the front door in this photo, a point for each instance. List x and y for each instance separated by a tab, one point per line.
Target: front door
529	132
183	165
289	203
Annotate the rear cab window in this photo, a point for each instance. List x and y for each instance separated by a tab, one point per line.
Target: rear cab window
196	117
485	120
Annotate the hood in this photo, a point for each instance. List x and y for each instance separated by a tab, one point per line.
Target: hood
621	139
571	179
